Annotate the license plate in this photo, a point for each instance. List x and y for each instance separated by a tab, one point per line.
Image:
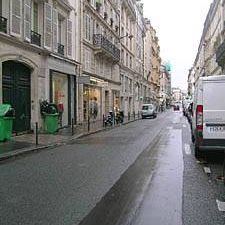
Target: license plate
215	129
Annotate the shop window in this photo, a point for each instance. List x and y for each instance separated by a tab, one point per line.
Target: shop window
92	103
60	95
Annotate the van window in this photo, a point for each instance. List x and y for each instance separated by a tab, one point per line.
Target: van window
146	107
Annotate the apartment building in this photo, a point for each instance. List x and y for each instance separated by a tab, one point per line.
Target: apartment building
165	86
128	49
191	82
100	59
140	82
210	56
154	79
38	58
147	61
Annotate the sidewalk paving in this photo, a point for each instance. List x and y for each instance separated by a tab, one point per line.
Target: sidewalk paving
26	143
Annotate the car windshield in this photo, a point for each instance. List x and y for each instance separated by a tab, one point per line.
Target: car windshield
146	107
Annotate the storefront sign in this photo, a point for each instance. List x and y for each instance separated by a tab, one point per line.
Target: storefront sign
84	80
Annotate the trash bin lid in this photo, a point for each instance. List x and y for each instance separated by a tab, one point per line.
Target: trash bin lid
4	108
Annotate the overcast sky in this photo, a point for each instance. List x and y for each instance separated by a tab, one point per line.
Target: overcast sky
179	25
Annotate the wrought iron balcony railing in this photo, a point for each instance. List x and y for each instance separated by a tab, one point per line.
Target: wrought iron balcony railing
102	42
3	24
61	49
35	38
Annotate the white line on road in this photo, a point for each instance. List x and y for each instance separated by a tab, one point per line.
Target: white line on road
187	149
207	170
220	205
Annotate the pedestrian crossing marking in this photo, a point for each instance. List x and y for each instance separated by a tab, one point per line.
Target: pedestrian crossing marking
220	205
207	170
187	149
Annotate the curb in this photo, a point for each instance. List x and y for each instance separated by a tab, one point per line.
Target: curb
24	151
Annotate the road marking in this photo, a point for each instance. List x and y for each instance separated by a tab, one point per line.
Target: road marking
207	170
220	205
187	149
184	125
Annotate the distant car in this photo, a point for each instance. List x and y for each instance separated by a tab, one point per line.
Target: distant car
189	113
176	107
148	110
186	104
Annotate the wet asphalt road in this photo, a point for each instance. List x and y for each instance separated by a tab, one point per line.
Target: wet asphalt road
143	173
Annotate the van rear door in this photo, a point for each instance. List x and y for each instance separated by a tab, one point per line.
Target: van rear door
214	109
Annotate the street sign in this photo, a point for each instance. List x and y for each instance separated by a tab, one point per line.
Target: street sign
84	80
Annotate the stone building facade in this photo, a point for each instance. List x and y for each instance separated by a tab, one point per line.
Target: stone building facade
100	59
210	57
38	58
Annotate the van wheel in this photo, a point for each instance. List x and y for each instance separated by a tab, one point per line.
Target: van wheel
198	154
192	138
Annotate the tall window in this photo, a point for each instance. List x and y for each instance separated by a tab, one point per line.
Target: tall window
131	62
61	30
122	56
88	28
127	62
0	7
35	17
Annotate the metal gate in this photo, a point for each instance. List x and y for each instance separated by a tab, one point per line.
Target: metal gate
16	91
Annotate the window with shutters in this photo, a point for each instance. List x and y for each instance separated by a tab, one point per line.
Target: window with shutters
69	37
88	28
27	20
48	26
16	17
35	17
0	7
55	26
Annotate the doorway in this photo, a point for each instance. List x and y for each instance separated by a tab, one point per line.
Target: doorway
16	84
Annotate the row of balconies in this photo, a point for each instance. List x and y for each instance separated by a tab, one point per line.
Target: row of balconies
106	16
107	46
35	37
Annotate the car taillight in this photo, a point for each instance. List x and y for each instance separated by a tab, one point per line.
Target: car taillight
199	117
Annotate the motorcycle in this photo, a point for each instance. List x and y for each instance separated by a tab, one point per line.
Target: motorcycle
109	119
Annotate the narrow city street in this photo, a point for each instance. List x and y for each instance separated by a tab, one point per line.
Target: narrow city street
142	173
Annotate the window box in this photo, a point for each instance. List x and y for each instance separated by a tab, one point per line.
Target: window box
105	15
61	49
35	38
3	24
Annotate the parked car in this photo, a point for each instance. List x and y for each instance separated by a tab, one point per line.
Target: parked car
189	113
148	110
186	104
176	107
208	120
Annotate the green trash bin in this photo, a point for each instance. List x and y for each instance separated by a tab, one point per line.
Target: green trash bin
51	122
6	121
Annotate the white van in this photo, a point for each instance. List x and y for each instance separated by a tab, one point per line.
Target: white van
208	121
148	110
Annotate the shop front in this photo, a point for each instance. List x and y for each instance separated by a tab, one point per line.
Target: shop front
92	99
60	95
116	100
16	91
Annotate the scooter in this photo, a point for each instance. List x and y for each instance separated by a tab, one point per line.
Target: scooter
109	119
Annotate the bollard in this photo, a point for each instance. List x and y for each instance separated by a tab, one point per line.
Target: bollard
103	120
128	116
88	123
134	114
36	132
72	126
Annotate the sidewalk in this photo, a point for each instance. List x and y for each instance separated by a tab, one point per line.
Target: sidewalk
26	143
